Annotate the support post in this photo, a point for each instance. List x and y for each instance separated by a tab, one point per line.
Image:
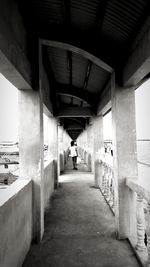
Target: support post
124	159
90	146
31	152
53	146
60	149
98	145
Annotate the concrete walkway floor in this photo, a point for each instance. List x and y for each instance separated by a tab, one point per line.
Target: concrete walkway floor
79	228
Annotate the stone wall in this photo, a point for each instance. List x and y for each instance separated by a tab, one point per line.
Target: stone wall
15	222
49	181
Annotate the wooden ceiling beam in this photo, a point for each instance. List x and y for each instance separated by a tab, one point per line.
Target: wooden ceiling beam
69	65
88	71
87	75
78	121
51	77
75	112
73	127
80	51
67	12
74	92
100	14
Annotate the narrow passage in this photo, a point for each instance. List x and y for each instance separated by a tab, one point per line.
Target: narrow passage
79	228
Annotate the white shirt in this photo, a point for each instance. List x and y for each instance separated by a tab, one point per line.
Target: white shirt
73	151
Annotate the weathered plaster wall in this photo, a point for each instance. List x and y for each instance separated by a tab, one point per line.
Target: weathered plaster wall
31	156
16	223
49	180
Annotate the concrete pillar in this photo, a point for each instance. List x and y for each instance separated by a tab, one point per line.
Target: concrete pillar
82	143
66	145
90	146
31	152
52	140
53	145
124	159
60	149
98	146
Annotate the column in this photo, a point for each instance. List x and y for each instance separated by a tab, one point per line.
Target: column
124	159
85	144
98	146
60	149
90	146
31	152
53	146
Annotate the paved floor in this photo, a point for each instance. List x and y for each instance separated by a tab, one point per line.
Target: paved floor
79	228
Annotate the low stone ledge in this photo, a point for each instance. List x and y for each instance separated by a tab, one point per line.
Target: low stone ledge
47	161
9	191
141	187
16	222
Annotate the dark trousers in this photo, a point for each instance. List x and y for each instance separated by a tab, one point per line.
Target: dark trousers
74	161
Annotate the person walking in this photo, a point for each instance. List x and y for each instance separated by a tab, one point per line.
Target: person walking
73	152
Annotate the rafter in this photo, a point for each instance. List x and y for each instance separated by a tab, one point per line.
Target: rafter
88	71
79	121
69	64
73	126
75	112
75	49
74	131
51	77
87	75
100	14
74	92
67	13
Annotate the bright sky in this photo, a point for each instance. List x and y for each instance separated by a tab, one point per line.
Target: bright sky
142	96
107	126
8	111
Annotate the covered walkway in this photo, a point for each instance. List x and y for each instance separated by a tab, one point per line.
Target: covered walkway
72	62
79	228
